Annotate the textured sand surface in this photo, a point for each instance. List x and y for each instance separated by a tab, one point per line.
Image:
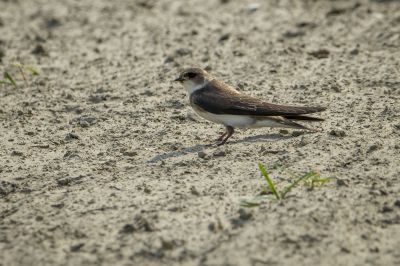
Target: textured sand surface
103	162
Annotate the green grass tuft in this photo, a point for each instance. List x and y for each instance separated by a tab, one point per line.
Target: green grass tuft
297	181
32	70
311	179
8	79
27	68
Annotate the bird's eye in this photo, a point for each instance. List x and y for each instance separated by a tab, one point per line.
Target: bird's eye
190	75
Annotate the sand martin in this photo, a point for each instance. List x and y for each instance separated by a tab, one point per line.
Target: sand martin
220	103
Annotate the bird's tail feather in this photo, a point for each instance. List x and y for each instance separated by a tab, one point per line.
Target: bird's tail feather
285	122
303	117
277	122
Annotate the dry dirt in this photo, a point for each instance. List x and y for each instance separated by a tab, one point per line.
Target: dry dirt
103	162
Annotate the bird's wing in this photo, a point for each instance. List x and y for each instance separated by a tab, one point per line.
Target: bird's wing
218	98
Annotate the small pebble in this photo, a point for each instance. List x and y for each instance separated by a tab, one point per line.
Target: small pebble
127	229
52	22
84	124
201	154
39	50
335	88
77	247
253	7
168	59
58	205
211	227
245	215
2	53
86	121
297	133
340	183
224	37
71	136
194	191
320	54
338	132
183	51
16	153
293	34
303	142
97	98
386	209
354	52
130	153
372	148
219	153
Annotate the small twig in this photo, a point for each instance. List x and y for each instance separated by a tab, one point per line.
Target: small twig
23	74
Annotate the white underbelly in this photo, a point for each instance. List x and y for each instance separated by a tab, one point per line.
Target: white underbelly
240	121
228	120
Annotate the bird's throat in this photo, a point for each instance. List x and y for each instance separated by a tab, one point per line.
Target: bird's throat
192	87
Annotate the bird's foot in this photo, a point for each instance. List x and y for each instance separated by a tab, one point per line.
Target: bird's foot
315	130
221	138
220	143
224	137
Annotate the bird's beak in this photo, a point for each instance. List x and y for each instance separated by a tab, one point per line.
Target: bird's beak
178	79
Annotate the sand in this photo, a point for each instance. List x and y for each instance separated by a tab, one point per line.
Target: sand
103	162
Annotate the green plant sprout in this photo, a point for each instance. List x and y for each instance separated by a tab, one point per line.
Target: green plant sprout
311	179
9	80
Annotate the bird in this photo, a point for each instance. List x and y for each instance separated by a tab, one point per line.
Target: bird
221	103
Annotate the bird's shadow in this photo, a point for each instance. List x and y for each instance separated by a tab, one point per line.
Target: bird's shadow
200	147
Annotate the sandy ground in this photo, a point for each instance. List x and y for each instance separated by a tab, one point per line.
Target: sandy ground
102	161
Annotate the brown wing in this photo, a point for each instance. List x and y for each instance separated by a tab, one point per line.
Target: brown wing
215	99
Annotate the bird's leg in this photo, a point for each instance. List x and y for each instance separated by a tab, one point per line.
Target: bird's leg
222	136
229	132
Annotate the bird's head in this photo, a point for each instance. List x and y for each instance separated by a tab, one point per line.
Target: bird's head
193	79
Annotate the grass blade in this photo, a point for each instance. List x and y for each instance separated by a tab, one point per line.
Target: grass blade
8	77
323	180
32	70
317	181
297	181
249	204
256	201
269	181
